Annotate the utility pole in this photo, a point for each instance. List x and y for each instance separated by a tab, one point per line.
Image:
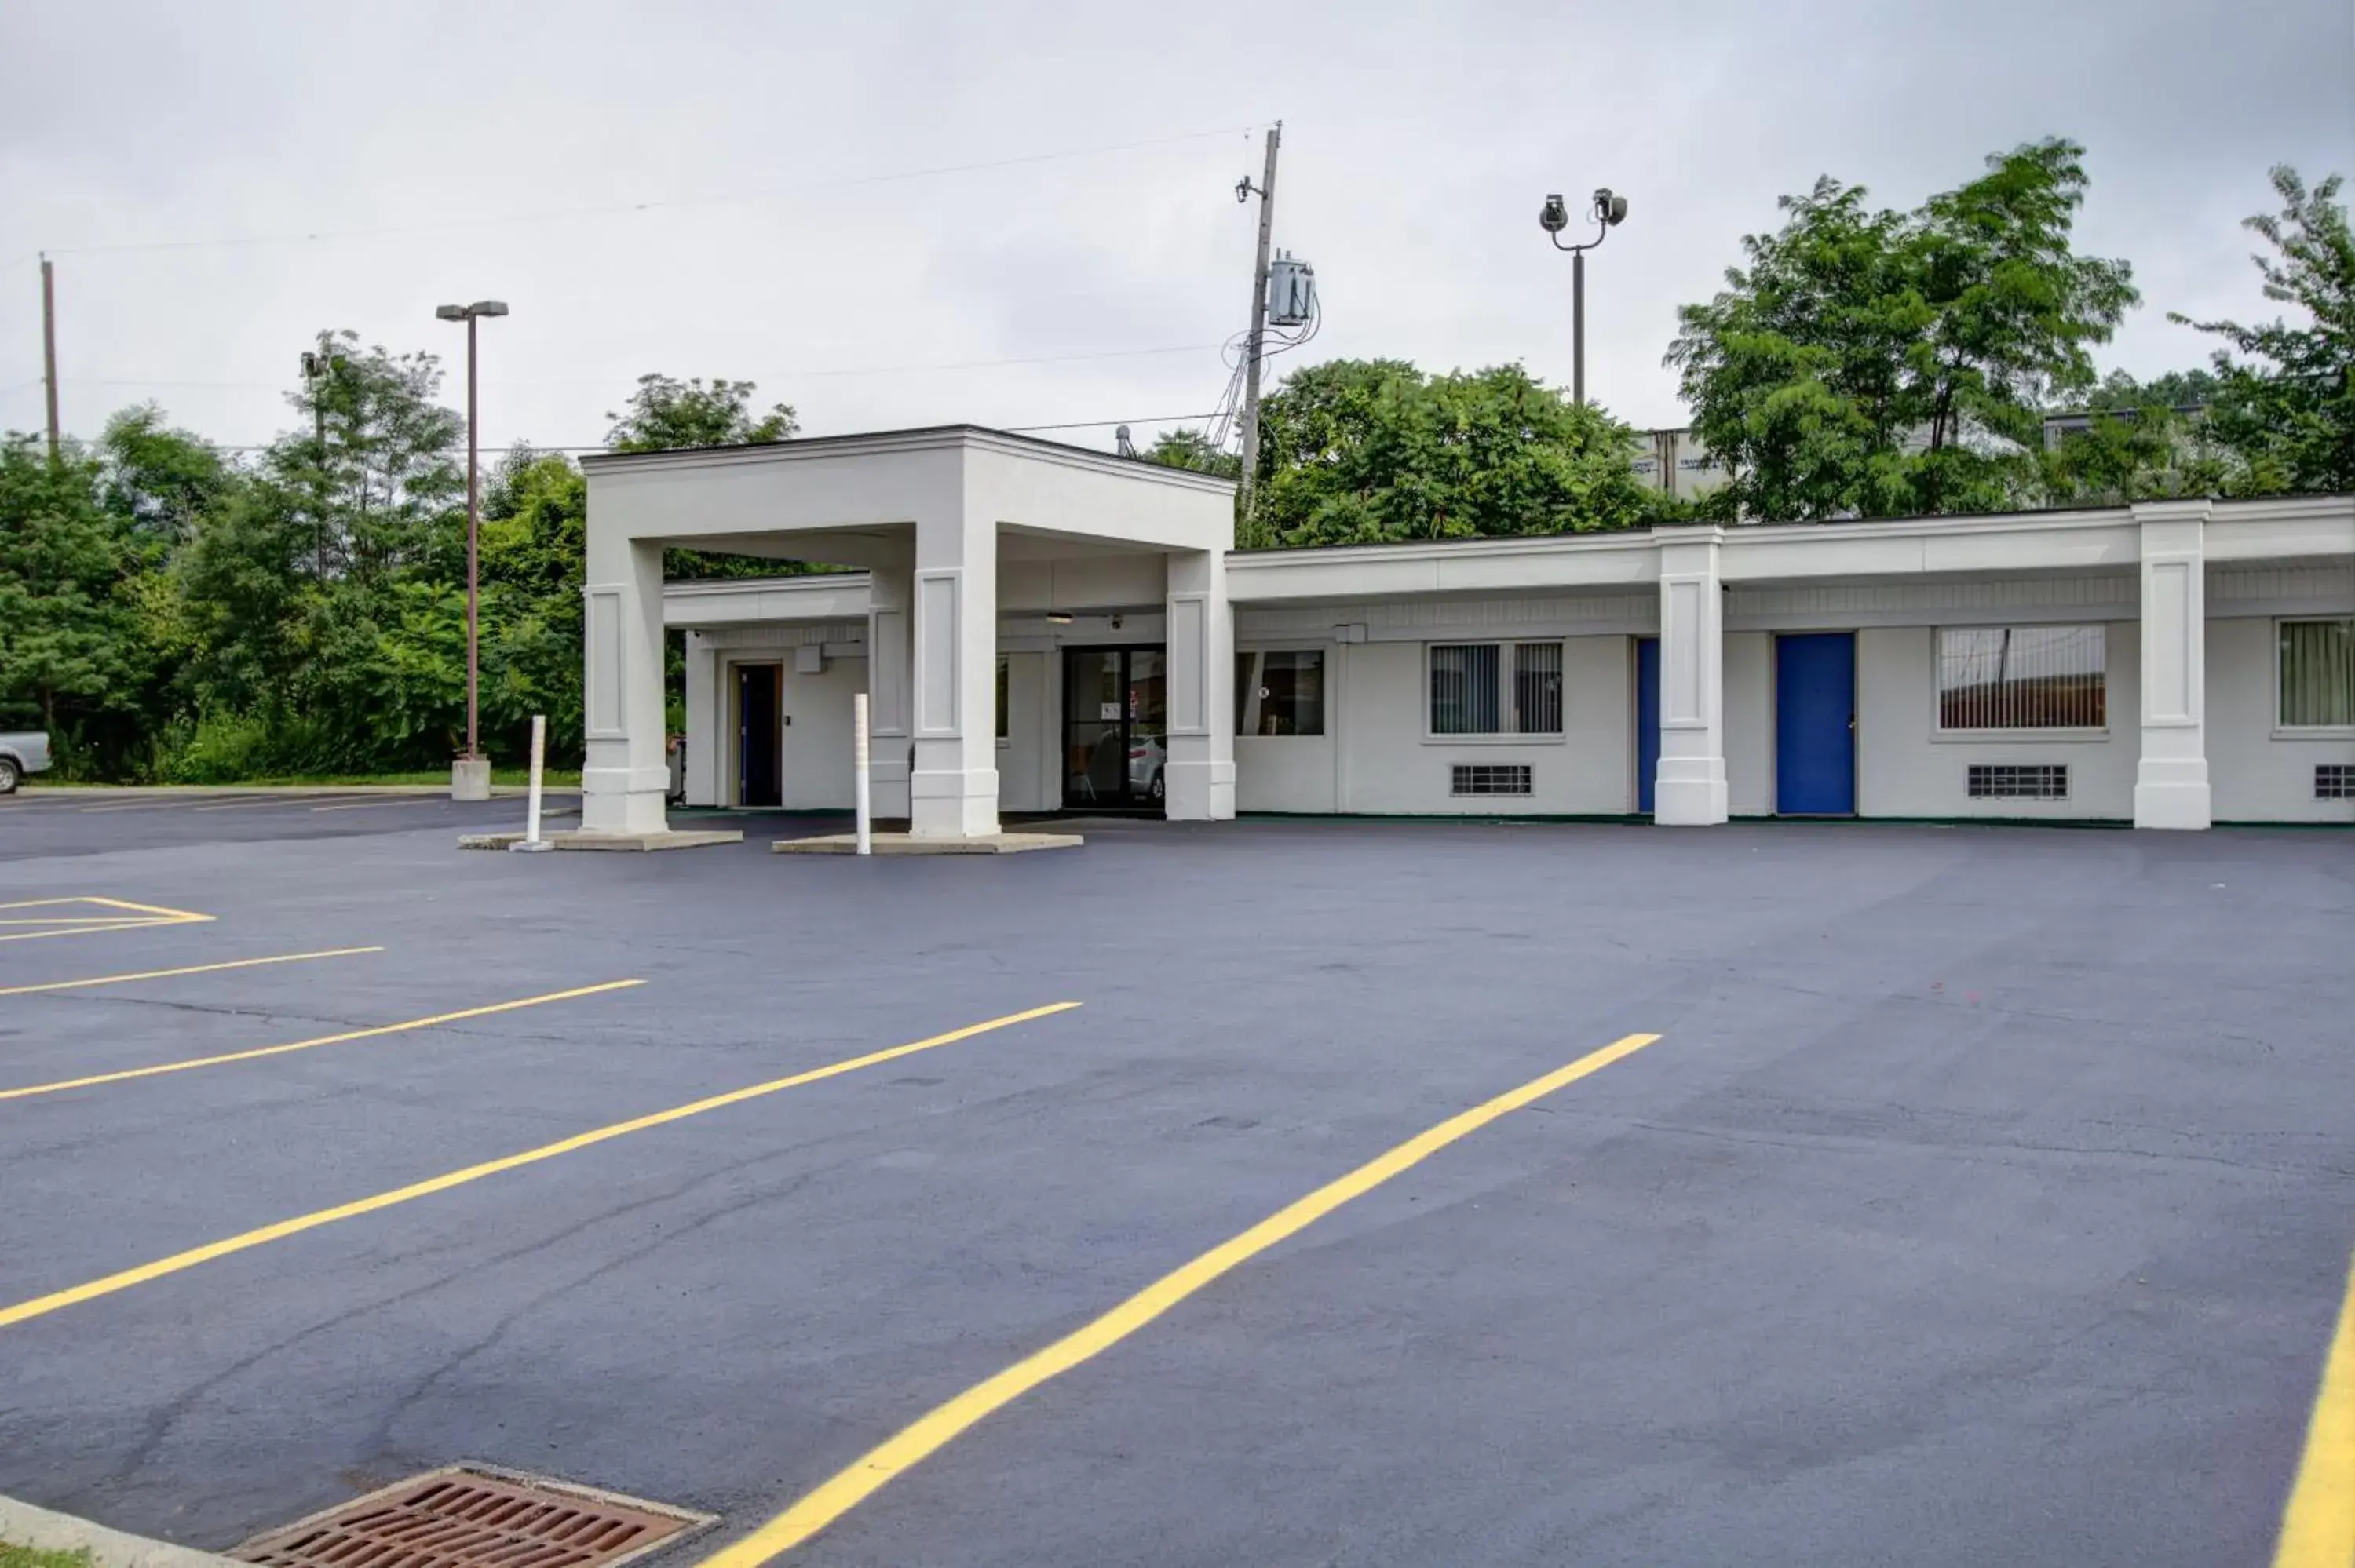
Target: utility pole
1257	342
49	346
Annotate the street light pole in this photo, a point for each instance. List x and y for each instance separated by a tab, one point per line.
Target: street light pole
1608	212
471	779
474	551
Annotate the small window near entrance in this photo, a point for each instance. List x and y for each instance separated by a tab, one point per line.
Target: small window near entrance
2022	678
2318	673
1280	693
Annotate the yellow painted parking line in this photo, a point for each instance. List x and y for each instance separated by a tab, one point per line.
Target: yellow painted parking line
875	1468
29	1090
92	915
41	1305
184	970
2319	1525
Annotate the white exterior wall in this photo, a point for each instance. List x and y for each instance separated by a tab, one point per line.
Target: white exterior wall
1394	765
1027	779
1749	724
2258	772
1905	768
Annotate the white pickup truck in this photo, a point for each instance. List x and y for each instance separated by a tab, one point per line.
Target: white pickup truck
22	753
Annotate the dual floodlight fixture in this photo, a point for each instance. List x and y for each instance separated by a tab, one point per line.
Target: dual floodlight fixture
468	312
1606	210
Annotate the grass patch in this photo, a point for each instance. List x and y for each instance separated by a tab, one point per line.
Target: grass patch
32	1557
554	777
568	776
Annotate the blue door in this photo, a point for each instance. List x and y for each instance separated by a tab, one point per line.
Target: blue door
1648	720
1815	724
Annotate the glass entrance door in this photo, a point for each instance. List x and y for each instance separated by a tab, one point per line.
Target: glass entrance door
1115	727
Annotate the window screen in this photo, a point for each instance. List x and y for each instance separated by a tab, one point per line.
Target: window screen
1280	693
2022	678
1464	695
2318	673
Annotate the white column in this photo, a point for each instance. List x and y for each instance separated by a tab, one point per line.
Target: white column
706	721
2171	780
623	776
1199	774
1690	790
952	786
887	687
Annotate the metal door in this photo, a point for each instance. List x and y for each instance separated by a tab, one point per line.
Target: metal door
1815	724
760	750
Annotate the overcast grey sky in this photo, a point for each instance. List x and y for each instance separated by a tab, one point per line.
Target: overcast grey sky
692	187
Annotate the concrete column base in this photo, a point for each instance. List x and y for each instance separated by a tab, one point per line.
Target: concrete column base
624	801
1689	793
887	777
470	778
953	803
1197	791
2171	793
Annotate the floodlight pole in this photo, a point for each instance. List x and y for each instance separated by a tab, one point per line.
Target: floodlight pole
1607	211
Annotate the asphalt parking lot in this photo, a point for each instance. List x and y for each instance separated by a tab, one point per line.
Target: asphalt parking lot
1986	1195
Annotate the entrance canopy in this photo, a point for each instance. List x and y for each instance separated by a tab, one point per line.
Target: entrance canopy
953	527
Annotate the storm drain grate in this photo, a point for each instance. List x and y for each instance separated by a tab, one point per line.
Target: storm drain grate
466	1518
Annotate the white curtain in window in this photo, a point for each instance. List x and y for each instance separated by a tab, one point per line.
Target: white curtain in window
2317	672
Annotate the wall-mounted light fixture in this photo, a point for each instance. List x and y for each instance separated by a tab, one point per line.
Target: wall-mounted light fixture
1058	617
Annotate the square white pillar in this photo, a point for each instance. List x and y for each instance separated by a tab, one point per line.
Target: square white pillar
1199	774
888	654
952	785
707	710
623	774
1690	790
2171	778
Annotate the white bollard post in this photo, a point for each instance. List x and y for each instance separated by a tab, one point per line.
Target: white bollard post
531	839
860	763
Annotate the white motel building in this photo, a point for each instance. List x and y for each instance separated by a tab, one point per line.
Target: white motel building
1043	628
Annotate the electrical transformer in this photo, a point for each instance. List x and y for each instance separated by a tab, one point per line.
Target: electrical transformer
1291	291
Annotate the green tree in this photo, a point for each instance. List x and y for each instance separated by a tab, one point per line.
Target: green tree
69	650
1192	449
1356	451
2137	441
2287	406
1883	364
668	415
384	485
534	548
159	479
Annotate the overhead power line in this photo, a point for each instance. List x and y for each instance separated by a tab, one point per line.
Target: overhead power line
600	446
601	380
717	198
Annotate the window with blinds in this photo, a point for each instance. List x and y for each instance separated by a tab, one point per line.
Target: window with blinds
1495	688
2318	673
2022	678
